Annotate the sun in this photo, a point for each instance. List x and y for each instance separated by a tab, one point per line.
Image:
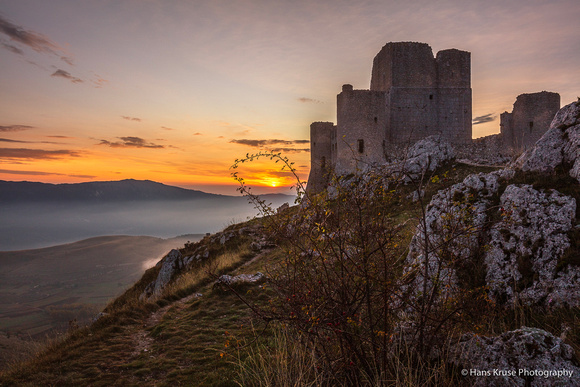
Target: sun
274	183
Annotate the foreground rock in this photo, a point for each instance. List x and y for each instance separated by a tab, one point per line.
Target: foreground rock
524	357
559	147
525	247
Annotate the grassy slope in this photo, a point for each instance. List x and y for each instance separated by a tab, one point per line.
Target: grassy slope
180	339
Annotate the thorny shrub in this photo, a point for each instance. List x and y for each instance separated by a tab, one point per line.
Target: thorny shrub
342	286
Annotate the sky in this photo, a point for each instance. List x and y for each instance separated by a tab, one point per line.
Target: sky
176	91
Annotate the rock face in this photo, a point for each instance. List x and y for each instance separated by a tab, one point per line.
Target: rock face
560	145
171	266
514	359
525	246
523	235
453	222
426	156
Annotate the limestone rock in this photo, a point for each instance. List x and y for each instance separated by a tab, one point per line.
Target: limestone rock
426	156
240	280
450	216
525	349
525	247
560	144
171	265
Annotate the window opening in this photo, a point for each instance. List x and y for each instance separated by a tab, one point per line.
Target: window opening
361	146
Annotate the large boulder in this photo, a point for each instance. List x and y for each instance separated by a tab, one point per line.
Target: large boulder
559	145
523	357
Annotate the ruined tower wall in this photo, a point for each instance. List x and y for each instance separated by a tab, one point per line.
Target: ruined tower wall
321	134
426	95
413	114
532	116
403	64
506	126
454	95
361	122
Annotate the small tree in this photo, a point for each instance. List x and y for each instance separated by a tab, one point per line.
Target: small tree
344	285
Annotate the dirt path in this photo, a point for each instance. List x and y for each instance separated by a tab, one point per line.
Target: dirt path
141	338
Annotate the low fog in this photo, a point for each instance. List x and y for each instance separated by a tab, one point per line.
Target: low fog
35	225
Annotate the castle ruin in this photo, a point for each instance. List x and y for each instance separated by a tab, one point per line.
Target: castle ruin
413	95
528	121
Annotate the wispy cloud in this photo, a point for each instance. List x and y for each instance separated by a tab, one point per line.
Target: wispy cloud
12	48
59	136
35	154
308	100
34	40
290	150
262	143
66	75
131	118
14	128
40	173
131	142
483	119
28	142
166	128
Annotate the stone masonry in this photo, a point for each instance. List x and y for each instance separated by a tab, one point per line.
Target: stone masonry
414	95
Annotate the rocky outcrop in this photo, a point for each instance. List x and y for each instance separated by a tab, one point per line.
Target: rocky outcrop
454	220
560	145
523	357
525	247
523	236
424	156
170	266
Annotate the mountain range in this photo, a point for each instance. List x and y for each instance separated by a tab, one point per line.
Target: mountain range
99	191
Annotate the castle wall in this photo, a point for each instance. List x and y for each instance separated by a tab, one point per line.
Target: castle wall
321	134
454	95
403	64
532	116
506	127
426	95
361	123
413	114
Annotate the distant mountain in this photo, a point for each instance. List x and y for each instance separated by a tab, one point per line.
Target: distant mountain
100	191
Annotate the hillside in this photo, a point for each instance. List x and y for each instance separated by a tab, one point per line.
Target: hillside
422	272
43	289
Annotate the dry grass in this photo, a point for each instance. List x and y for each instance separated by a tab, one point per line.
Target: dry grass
277	360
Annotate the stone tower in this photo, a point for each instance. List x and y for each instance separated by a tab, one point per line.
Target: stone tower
321	136
412	95
529	119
